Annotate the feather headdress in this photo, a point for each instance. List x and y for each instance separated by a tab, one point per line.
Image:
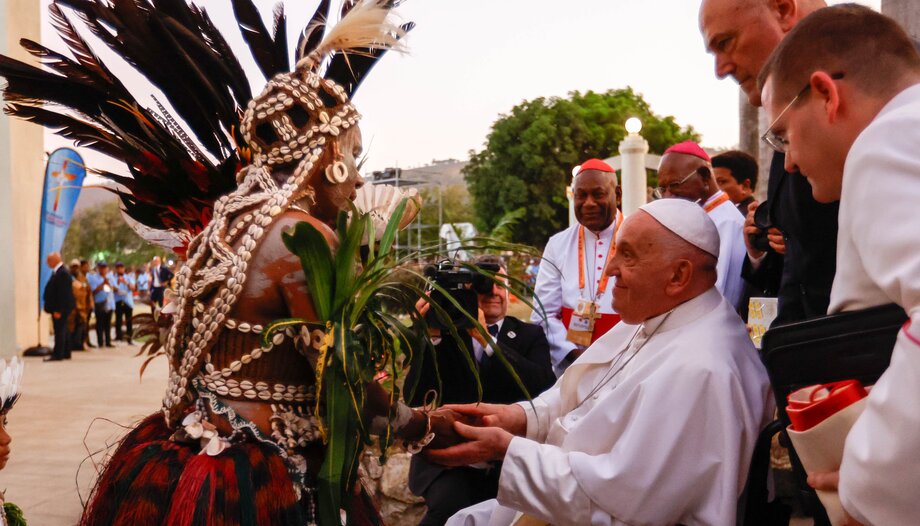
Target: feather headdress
183	148
10	381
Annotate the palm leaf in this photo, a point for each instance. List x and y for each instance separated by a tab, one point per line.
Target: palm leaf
309	244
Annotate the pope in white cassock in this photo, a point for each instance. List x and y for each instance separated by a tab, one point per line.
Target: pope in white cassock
856	137
572	288
656	422
685	172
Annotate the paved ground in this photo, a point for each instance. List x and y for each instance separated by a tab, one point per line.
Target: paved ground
62	403
69	409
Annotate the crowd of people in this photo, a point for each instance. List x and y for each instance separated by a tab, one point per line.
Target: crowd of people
79	296
635	394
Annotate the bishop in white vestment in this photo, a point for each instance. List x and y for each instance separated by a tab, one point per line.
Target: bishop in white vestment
656	422
572	271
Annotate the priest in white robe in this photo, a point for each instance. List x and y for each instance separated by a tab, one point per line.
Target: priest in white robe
656	422
572	272
861	147
685	172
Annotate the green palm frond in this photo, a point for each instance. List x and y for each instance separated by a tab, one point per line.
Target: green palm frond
363	337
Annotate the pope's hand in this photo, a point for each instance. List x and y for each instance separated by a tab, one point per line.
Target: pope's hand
510	418
483	444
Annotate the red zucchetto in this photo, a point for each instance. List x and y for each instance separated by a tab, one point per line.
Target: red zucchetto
689	148
594	164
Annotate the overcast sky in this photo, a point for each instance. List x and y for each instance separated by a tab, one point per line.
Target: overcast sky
472	60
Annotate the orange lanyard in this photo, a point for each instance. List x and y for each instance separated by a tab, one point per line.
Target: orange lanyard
602	286
718	201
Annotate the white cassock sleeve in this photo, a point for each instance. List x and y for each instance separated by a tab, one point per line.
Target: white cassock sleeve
549	292
880	474
658	468
731	258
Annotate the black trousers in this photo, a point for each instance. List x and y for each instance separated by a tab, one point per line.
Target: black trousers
103	325
455	489
123	311
61	345
156	295
78	334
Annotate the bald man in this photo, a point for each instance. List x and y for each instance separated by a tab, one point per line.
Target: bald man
685	173
656	422
59	302
741	34
571	287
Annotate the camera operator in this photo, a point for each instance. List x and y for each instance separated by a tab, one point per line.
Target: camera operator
447	490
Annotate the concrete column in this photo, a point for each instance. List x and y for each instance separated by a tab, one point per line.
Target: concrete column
907	12
633	148
21	175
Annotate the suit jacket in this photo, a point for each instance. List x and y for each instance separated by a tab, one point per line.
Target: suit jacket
523	344
58	293
164	275
526	348
803	277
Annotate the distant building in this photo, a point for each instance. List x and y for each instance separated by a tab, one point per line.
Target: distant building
445	172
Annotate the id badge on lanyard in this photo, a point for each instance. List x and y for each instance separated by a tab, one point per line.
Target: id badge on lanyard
581	326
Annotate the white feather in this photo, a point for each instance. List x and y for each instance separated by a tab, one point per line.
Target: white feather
10	381
366	26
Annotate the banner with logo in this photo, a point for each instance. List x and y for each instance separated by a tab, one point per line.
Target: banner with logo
63	180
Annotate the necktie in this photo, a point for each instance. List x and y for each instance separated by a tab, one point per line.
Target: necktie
485	359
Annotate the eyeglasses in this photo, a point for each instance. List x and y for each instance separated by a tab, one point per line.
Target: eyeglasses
776	142
659	191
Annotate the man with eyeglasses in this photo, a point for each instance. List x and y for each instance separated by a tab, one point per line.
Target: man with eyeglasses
685	172
800	263
843	92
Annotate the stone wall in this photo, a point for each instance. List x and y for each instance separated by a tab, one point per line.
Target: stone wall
388	484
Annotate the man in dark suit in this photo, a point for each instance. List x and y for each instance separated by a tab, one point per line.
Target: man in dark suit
524	345
801	262
160	276
59	302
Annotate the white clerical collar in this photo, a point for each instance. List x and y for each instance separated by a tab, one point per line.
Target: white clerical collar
713	197
607	232
685	313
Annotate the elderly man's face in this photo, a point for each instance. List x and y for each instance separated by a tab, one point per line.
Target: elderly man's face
640	270
740	35
495	304
595	199
683	176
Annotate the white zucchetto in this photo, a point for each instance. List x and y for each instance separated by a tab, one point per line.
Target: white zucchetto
688	220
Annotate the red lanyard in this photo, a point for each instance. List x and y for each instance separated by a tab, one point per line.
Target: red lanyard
602	286
718	201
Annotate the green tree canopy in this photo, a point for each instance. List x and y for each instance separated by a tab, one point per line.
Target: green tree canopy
100	233
529	155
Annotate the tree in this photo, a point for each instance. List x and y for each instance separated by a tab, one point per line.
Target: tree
529	154
100	233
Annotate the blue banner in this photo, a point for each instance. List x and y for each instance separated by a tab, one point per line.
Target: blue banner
63	180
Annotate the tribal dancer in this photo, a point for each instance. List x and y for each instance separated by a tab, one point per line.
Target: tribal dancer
237	441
